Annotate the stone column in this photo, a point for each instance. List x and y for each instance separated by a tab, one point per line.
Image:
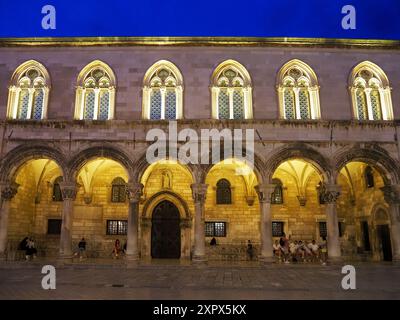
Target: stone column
264	192
68	191
330	194
199	192
7	192
392	197
134	192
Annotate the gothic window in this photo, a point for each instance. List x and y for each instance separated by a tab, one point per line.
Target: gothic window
224	194
118	190
370	92
231	92
57	195
277	195
369	177
162	92
29	92
298	91
95	92
215	229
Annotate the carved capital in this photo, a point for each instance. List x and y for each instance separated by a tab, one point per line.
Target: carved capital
391	194
199	192
134	191
8	190
264	192
68	190
330	193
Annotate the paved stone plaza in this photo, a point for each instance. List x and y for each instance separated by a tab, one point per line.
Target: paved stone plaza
166	280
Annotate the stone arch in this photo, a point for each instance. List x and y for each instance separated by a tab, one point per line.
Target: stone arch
141	165
18	156
158	197
93	65
296	63
373	156
298	151
27	65
369	66
376	213
82	157
258	166
231	64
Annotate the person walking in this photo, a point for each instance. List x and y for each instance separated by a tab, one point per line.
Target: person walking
250	250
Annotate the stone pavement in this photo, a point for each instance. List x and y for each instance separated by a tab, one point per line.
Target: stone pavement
173	280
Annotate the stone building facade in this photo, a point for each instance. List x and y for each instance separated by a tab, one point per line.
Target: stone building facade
326	154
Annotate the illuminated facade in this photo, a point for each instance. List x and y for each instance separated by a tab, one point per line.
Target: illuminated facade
327	161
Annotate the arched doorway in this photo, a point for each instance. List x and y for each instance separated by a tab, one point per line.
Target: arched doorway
165	231
384	244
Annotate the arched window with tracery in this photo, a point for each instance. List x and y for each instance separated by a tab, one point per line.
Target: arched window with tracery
298	91
118	190
277	195
29	92
95	93
163	92
224	192
370	93
231	92
57	194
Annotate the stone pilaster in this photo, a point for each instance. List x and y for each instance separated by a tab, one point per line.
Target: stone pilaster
330	193
68	191
199	192
392	197
134	192
264	192
7	192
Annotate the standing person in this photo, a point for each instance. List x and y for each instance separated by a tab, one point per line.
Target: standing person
117	249
213	242
249	250
284	243
324	250
82	248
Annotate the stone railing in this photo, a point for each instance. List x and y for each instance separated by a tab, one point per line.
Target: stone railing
230	252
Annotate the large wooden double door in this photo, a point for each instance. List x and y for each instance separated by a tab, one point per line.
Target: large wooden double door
165	231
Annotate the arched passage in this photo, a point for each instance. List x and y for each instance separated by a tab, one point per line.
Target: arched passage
232	213
367	230
34	211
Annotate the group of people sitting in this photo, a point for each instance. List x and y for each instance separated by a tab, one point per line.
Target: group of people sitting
28	246
287	251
